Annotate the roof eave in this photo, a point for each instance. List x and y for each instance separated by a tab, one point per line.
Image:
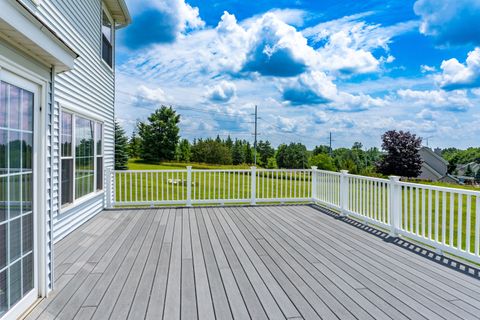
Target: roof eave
119	11
24	30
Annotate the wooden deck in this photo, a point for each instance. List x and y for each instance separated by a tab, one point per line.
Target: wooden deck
265	262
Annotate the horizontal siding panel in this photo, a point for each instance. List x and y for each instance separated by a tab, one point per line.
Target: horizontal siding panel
89	86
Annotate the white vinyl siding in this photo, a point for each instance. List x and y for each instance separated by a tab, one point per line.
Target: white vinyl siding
89	86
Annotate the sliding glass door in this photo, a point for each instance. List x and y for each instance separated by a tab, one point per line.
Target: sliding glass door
17	234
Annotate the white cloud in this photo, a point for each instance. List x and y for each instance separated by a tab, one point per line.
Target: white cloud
317	88
223	92
426	69
160	22
436	99
453	22
310	88
456	75
363	35
293	17
349	41
338	55
427	114
152	95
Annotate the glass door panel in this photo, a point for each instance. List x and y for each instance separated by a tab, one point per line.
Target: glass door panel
16	195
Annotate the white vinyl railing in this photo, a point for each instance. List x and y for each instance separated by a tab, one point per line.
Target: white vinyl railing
188	187
447	219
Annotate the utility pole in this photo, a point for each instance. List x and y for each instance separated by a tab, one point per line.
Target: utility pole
330	143
255	139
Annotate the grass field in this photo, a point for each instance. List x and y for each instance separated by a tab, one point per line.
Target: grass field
172	185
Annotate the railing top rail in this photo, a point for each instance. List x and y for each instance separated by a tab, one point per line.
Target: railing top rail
148	171
368	178
284	170
214	170
221	170
329	172
439	188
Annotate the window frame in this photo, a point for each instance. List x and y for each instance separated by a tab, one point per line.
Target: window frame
95	192
105	11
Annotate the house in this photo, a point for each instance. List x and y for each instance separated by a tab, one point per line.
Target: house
434	167
56	132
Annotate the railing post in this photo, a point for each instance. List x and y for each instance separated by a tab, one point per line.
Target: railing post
344	192
110	188
395	203
189	186
253	183
314	183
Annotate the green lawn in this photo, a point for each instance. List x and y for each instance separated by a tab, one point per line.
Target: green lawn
172	185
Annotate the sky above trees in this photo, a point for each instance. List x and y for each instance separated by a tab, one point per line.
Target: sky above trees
355	68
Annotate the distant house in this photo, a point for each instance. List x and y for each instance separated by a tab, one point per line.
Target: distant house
57	93
434	167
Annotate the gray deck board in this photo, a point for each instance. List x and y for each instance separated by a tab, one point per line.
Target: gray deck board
265	262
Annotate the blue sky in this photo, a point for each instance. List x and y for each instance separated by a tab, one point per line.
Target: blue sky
353	68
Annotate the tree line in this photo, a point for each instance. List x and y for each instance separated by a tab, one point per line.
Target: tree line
158	139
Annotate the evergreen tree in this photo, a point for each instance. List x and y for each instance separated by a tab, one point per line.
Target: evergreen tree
229	143
248	153
121	146
160	135
238	156
184	151
134	145
265	151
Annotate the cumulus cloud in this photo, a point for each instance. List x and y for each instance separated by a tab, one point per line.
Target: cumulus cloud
160	22
346	43
310	88
149	98
317	88
223	92
276	48
456	75
456	101
338	55
427	114
454	22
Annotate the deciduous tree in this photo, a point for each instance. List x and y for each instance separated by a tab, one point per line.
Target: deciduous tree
402	156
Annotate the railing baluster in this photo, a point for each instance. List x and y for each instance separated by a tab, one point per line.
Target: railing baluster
437	209
459	221
477	226
468	224
444	217
423	212
452	215
429	214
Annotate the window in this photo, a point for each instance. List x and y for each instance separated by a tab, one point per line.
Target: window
81	157
107	39
67	158
99	153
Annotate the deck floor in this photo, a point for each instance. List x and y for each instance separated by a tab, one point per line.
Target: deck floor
265	262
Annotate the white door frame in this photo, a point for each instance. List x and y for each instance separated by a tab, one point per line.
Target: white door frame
25	79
